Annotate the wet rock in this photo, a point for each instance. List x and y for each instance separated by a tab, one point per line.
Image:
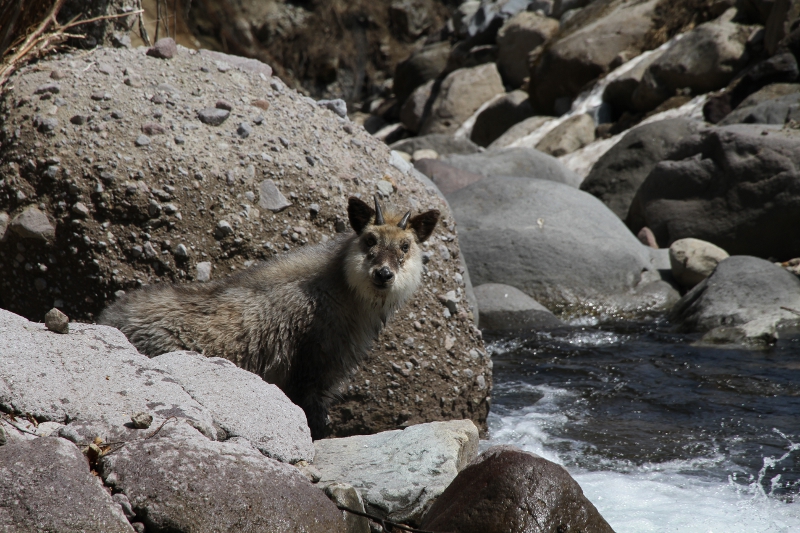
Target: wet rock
32	223
271	198
228	480
521	35
46	486
617	175
499	116
165	48
693	260
398	472
280	432
519	162
506	308
56	321
213	116
572	134
461	94
511	491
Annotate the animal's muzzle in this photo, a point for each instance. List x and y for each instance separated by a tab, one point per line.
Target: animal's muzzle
383	276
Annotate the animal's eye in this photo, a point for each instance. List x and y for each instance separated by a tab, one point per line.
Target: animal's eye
371	241
404	247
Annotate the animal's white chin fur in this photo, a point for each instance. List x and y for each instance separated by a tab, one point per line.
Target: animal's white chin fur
387	298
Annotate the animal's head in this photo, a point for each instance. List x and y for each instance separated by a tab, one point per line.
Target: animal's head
385	261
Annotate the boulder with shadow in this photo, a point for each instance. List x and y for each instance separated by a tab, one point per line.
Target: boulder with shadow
506	308
519	162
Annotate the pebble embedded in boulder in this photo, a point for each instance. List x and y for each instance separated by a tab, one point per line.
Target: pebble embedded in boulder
56	321
506	308
413	110
244	130
203	271
153	128
399	472
213	116
164	48
142	140
518	131
693	260
45	485
222	230
507	490
4	222
33	224
344	495
271	198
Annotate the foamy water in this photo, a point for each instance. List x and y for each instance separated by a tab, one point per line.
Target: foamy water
705	494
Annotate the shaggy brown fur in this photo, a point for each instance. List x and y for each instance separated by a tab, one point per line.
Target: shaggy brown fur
302	321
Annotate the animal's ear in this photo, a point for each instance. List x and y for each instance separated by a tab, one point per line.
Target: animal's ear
359	214
424	223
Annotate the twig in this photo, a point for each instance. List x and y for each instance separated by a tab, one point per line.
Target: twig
7	419
142	30
158	16
795	311
384	522
153	434
95	19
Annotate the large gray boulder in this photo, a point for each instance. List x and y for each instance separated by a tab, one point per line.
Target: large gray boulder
776	111
507	490
45	485
506	308
617	175
243	404
520	162
557	244
180	481
499	116
399	473
708	190
744	299
520	35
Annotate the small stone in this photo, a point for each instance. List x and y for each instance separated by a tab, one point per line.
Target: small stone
163	49
244	130
224	104
153	128
46	125
136	251
213	116
647	237
121	40
313	209
338	106
100	95
142	140
149	251
385	187
223	229
57	74
117	114
142	420
33	224
154	208
259	120
170	209
449	342
284	141
158	99
133	81
105	68
261	104
56	321
180	139
271	198
181	251
51	88
426	153
203	271
80	209
444	252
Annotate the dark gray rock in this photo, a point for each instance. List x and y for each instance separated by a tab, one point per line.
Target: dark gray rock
213	116
32	223
744	299
165	48
557	244
506	308
449	179
617	175
56	321
507	490
776	111
518	131
708	190
499	116
517	162
45	485
420	68
520	35
441	143
413	111
243	404
181	481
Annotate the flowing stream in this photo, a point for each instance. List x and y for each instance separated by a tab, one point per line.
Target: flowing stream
662	435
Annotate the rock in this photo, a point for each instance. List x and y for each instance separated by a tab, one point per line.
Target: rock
706	59
421	67
243	404
490	17
587	51
142	140
203	271
45	485
744	300
499	116
142	420
693	260
707	190
114	379
32	223
619	92
617	175
244	130
165	48
80	210
338	106
213	116
227	481
768	93
424	154
461	94
559	245
271	198
4	222
511	491
777	111
572	134
344	495
463	15
518	131
399	473
413	110
647	238
223	229
410	18
447	178
519	162
56	321
441	143
506	308
520	35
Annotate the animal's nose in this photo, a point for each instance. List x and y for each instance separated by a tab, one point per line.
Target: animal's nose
384	274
